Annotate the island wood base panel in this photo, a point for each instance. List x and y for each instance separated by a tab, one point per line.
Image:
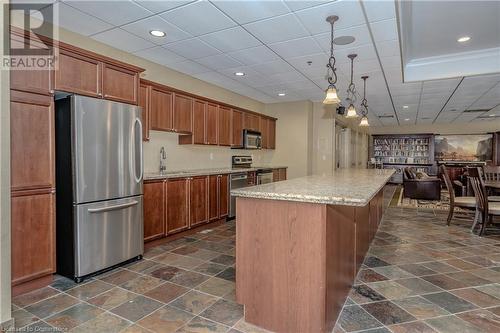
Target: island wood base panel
296	262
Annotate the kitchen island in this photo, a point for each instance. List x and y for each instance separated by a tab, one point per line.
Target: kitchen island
300	243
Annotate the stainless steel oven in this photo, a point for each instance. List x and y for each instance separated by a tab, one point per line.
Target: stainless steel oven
252	139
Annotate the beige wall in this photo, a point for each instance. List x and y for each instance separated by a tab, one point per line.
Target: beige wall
293	136
454	128
5	306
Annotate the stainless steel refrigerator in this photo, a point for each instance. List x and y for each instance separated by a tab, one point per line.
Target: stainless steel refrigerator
99	169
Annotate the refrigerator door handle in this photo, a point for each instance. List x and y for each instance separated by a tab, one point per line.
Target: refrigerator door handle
115	207
138	178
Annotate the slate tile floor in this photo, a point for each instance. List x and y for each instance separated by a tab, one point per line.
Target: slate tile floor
419	276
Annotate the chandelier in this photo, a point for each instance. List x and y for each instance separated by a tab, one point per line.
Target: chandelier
364	106
331	92
351	92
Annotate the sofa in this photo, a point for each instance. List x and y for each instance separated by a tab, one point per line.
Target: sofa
420	186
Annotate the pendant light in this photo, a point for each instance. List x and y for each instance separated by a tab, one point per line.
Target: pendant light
364	106
331	92
351	92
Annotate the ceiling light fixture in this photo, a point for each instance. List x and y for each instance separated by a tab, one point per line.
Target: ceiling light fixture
405	106
492	115
157	33
463	39
281	94
239	74
351	92
364	106
331	92
407	119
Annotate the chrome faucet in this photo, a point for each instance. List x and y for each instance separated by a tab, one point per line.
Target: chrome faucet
163	160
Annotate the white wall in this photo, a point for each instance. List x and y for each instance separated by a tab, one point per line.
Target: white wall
5	285
453	128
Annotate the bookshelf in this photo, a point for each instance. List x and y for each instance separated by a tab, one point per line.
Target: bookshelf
400	151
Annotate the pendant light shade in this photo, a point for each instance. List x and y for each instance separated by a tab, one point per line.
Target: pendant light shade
364	106
331	92
331	96
351	112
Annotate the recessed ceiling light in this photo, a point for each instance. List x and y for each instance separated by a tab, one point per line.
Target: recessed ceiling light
407	119
239	74
492	115
281	94
405	106
157	33
463	39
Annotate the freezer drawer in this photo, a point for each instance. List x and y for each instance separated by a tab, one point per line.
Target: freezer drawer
107	233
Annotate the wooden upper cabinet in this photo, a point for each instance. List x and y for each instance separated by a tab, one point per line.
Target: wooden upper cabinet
224	135
183	113
78	74
198	203
177	205
199	121
33	236
271	132
212	125
119	84
154	210
144	101
263	129
161	110
237	122
251	121
32	141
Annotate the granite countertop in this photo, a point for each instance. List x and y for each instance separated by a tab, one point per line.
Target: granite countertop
203	172
350	187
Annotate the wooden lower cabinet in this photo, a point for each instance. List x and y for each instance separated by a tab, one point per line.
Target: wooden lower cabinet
282	174
223	196
177	205
32	235
218	196
198	203
154	209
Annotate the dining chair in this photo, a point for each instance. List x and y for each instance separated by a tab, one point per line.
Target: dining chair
488	173
462	202
491	173
485	208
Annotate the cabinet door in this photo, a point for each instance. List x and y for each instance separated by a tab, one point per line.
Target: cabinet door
198	203
154	210
224	126
212	124
199	120
177	205
78	74
144	102
237	123
276	175
251	122
263	129
119	84
32	141
183	114
271	130
161	110
223	195
282	174
213	197
33	236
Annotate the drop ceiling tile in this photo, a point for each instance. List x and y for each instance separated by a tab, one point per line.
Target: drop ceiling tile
384	30
189	67
74	20
378	10
296	5
158	6
391	62
250	11
296	47
231	39
360	33
160	55
317	60
254	55
286	77
388	48
314	19
193	48
114	12
142	28
440	86
277	29
198	18
122	40
218	61
272	67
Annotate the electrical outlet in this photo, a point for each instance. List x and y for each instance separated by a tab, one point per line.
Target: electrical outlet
211	156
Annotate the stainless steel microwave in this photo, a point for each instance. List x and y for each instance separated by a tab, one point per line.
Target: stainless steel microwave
252	139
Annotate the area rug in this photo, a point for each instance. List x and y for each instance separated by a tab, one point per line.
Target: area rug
443	204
